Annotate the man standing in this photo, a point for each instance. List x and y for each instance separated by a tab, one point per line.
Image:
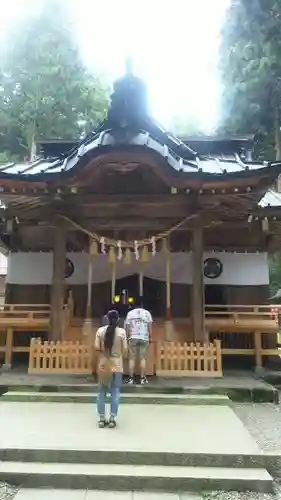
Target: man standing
138	325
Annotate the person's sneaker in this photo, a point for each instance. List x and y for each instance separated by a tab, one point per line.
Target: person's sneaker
102	424
130	381
112	423
143	381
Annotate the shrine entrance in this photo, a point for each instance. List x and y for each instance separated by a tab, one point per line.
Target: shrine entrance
128	288
215	295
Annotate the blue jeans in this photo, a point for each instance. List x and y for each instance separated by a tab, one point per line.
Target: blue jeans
114	388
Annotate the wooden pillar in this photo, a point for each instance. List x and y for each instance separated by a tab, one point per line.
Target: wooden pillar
89	288
169	328
113	281
198	292
8	349
258	349
57	295
168	284
87	326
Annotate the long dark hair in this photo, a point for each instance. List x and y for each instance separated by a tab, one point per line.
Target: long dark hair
113	318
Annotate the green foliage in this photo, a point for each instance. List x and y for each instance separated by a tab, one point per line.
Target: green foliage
45	90
251	72
187	127
275	272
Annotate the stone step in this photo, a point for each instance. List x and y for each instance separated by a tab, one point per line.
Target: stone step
132	477
264	393
122	457
46	494
127	388
138	398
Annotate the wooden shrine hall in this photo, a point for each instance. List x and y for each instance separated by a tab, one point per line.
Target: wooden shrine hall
132	210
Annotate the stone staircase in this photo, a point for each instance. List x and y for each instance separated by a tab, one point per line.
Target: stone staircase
163	442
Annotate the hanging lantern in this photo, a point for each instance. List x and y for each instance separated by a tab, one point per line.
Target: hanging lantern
111	255
136	250
165	246
93	248
127	257
119	253
153	243
144	254
265	225
102	242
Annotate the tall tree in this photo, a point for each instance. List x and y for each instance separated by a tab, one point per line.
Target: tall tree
190	126
251	72
45	90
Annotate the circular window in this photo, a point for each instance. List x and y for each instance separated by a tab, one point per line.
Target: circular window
212	268
69	268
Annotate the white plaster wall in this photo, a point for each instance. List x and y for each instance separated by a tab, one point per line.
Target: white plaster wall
3	264
238	269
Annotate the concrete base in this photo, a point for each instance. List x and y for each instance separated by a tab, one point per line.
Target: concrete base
6	367
87	330
168	331
260	371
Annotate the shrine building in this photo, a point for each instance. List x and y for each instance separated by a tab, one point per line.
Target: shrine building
188	224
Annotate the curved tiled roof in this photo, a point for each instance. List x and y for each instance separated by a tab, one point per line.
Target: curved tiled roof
105	140
128	126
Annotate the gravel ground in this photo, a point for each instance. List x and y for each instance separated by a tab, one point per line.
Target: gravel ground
233	495
7	492
263	421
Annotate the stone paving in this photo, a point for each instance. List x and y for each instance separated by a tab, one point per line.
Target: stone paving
27	494
186	429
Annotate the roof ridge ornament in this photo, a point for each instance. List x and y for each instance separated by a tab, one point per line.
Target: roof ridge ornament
129	66
129	108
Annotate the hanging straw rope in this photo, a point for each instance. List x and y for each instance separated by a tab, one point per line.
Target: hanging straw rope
129	244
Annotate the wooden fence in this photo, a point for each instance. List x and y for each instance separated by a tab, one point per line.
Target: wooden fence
175	359
59	357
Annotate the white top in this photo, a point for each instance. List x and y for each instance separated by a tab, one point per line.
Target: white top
137	323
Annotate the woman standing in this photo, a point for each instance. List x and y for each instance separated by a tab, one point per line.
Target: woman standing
111	342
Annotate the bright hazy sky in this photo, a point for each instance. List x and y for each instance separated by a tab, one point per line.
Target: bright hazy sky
174	47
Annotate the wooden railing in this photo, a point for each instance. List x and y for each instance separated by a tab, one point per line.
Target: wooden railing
242	308
236	316
241	317
59	357
18	318
242	330
29	312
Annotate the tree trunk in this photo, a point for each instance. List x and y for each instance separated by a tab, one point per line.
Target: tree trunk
277	134
32	149
277	143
